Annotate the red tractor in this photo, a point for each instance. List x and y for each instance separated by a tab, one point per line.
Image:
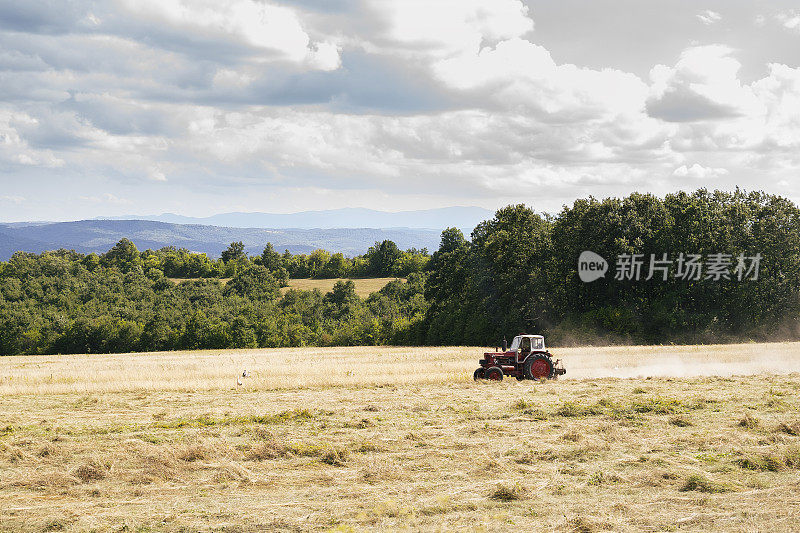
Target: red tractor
527	358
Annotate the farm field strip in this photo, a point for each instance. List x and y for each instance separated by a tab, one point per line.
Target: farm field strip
309	367
364	286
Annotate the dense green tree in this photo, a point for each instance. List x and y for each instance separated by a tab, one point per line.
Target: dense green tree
382	258
271	259
316	263
342	299
336	267
123	256
410	261
255	283
234	252
446	289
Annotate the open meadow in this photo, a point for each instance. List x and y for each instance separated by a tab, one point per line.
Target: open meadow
364	286
662	438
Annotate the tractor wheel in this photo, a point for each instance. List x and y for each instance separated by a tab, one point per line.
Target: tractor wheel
538	367
494	373
478	374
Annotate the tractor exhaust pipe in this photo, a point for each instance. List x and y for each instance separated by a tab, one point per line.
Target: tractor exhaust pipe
505	345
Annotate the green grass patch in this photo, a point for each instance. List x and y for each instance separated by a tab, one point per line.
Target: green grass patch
575	409
295	415
700	483
328	454
659	406
770	462
762	461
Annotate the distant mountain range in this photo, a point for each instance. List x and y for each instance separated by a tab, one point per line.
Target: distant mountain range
465	218
100	235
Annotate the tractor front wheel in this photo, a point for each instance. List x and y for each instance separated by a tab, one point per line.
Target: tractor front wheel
538	367
478	374
494	373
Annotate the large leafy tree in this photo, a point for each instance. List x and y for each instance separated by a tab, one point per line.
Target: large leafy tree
382	258
123	256
234	252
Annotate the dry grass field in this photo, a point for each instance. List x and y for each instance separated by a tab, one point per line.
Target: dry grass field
364	286
351	439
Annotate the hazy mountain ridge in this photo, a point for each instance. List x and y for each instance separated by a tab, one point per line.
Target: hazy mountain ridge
100	235
438	219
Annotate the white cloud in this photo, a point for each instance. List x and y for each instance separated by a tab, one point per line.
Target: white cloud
703	85
325	56
790	20
780	94
154	173
700	172
442	28
15	149
709	17
271	28
519	73
12	199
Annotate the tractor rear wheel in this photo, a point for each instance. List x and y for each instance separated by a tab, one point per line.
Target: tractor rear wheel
538	367
494	373
478	374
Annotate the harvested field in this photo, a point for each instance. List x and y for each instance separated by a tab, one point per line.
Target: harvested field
401	438
282	368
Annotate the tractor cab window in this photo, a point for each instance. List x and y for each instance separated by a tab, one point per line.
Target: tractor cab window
525	345
538	344
514	345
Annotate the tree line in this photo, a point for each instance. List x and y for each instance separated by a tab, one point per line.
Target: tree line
384	259
516	273
67	302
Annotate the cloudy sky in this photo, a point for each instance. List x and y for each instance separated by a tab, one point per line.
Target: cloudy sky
208	106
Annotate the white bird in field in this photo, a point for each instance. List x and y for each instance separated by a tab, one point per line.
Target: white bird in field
238	380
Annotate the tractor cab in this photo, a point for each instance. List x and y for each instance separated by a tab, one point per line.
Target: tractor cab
523	345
